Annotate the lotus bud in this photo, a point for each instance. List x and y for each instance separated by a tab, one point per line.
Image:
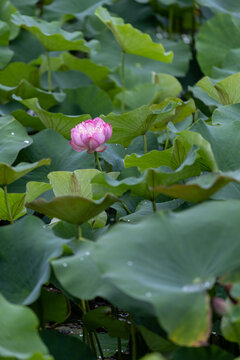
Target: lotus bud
220	306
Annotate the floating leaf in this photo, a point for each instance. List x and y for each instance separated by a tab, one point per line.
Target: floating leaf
15	204
131	40
6	53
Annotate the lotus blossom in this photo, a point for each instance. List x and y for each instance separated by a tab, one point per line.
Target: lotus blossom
90	135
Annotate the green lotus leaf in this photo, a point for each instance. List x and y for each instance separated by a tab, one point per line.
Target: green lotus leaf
225	92
131	40
170	270
201	188
51	36
14	137
212	39
9	174
55	121
73	209
20	338
23	277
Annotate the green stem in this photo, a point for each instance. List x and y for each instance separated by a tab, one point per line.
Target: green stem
167	139
49	72
123	81
125	207
154	205
79	233
133	335
97	161
119	348
193	26
99	345
7	204
145	143
170	22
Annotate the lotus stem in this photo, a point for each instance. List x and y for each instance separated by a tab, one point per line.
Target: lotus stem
170	22
99	345
97	160
154	205
7	204
49	72
145	143
125	207
123	81
133	335
167	139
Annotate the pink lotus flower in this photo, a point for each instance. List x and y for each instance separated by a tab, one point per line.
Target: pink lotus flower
90	135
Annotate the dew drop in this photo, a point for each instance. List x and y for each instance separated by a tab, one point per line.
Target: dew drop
128	220
12	133
130	263
26	141
65	264
148	294
87	253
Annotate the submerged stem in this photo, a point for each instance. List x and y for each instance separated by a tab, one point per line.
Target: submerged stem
145	143
123	81
97	160
7	204
49	72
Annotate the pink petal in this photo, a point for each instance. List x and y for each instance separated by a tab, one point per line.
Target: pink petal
107	131
76	147
101	148
93	144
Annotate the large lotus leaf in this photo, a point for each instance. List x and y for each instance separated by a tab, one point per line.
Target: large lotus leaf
145	208
20	337
131	40
15	204
231	6
213	39
209	353
150	93
229	66
51	36
15	72
25	90
6	11
6	53
22	44
170	270
224	140
73	209
87	99
130	125
176	155
22	242
153	356
172	109
9	174
224	115
28	120
80	9
47	143
72	183
147	184
97	73
225	92
64	347
26	7
58	122
14	137
109	54
201	188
